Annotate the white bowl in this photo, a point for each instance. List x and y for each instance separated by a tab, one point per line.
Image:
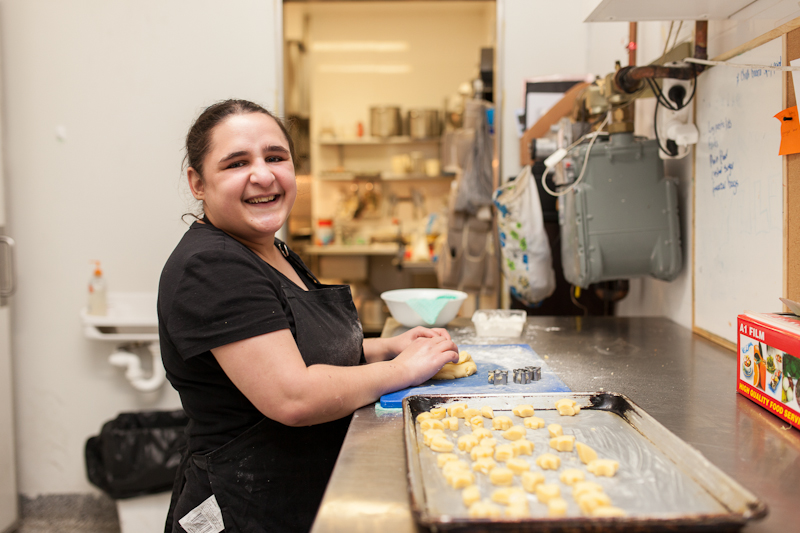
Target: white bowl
406	315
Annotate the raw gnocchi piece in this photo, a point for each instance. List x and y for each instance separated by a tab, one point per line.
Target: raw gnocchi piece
522	447
523	410
467	442
531	479
450	423
501	476
489	442
567	407
585	453
444	458
514	433
484	465
555	430
454	466
501	422
547	491
438	413
482	433
608	511
603	467
471	495
548	461
518	466
484	509
428	435
480	451
505	495
424	415
476	421
456	410
533	422
461	479
582	487
503	453
470	413
590	501
487	411
563	443
571	476
441	444
431	423
557	507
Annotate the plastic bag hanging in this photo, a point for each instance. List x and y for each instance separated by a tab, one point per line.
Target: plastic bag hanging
527	259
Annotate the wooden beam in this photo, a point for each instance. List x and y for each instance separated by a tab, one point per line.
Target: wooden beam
791	186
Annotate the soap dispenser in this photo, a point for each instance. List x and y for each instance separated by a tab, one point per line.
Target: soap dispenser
97	292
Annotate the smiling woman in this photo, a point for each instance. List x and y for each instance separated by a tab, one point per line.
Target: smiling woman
269	363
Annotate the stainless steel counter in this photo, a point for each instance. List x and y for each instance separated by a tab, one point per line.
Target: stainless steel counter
685	382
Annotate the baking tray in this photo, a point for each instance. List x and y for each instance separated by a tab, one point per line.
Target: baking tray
662	483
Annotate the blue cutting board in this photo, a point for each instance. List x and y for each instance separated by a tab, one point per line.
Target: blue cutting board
487	357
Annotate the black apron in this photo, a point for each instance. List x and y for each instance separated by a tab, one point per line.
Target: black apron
272	477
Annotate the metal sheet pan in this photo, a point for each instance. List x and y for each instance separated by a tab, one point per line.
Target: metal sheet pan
663	483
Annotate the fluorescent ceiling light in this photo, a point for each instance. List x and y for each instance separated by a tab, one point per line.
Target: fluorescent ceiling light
365	69
359	46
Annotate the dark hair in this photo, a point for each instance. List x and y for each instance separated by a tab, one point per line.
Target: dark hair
198	140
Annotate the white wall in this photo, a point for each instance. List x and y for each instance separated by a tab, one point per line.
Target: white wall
124	79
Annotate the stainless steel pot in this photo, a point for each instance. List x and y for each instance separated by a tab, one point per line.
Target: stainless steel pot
384	121
424	123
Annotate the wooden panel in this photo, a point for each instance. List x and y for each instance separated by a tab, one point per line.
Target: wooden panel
791	177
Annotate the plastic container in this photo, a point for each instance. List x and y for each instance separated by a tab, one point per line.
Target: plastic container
499	322
325	232
405	313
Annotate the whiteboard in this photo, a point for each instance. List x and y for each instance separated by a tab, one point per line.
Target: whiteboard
738	233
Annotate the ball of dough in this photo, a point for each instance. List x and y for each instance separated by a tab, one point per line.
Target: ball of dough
547	491
590	501
555	430
518	466
563	443
461	479
467	442
505	495
428	435
441	444
431	423
475	421
567	407
470	413
450	423
504	452
484	509
489	442
454	466
548	461
523	410
571	476
424	415
465	367
533	422
501	422
556	507
487	412
456	410
514	433
531	479
603	467
484	465
481	451
444	458
585	453
522	447
471	495
438	413
501	476
482	433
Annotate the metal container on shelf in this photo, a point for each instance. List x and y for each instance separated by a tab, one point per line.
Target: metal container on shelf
424	123
384	121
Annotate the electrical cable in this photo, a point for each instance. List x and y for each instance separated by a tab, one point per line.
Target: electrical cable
661	99
585	160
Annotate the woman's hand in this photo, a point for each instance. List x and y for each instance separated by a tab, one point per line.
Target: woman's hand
385	349
424	356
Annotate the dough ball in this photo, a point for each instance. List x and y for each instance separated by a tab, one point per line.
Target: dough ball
441	444
585	453
431	423
470	413
454	466
484	465
489	442
571	476
444	458
501	423
428	435
567	407
484	509
603	467
450	423
523	410
481	433
547	491
514	433
481	451
465	367
533	422
555	430
467	442
438	413
518	466
563	443
530	480
590	501
548	461
522	447
503	453
456	410
475	421
461	479
425	415
505	495
501	476
487	412
471	495
556	507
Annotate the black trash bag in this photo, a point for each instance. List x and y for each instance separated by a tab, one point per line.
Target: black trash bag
137	453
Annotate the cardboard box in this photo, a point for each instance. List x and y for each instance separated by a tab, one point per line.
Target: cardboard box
769	362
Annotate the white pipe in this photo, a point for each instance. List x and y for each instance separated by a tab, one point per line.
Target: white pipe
134	372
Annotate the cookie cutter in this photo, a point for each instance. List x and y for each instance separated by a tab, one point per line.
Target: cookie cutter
536	372
498	377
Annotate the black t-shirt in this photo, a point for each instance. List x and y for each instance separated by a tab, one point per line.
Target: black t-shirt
215	291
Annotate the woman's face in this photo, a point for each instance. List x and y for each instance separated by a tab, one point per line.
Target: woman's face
248	185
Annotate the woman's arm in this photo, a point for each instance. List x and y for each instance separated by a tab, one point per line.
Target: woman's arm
271	373
384	349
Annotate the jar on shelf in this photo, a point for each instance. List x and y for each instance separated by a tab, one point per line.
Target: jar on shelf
325	232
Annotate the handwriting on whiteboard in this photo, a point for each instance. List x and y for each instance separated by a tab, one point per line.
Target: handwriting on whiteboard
721	164
746	74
